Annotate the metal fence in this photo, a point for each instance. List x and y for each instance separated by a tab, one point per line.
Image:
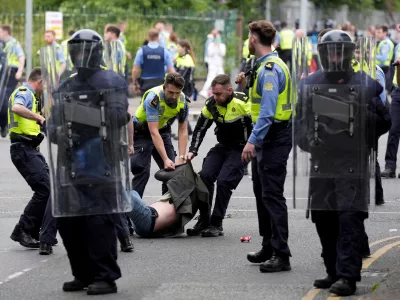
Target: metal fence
189	25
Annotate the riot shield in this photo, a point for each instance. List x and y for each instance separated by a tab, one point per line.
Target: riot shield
86	123
333	138
114	57
4	73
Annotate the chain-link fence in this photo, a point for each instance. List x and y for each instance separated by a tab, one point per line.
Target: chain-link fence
190	25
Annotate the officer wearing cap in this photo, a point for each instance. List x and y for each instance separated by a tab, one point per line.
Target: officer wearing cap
159	108
15	67
231	112
24	120
85	217
268	146
339	200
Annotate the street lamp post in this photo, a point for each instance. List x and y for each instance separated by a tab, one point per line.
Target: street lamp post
28	36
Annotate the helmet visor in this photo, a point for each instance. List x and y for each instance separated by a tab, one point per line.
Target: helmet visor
336	57
86	54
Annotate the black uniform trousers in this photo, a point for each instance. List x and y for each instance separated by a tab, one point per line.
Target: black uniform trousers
342	232
269	174
224	165
394	133
286	56
48	231
10	86
91	245
122	226
141	160
31	164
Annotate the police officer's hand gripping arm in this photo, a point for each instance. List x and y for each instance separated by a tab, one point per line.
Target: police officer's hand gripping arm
151	106
182	136
199	132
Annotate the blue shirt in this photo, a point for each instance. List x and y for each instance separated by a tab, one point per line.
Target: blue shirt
153	45
151	111
383	54
277	39
380	77
277	79
59	53
25	97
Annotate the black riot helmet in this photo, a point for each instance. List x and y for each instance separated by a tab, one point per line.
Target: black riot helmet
86	49
336	51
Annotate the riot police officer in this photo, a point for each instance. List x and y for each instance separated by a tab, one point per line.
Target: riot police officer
159	108
269	146
88	150
231	112
338	114
24	122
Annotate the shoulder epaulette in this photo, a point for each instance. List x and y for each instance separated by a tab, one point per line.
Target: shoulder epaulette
269	65
241	96
155	101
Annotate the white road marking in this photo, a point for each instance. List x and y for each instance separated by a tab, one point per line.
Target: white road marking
393	230
15	275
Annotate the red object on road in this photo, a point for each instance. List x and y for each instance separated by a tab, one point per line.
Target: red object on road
245	239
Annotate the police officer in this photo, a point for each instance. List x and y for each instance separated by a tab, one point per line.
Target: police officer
89	164
394	133
384	53
284	40
111	34
159	108
231	112
50	39
150	62
339	186
15	67
269	146
118	59
24	122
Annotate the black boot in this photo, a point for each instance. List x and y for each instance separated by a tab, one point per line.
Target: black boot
74	285
199	227
259	257
126	245
102	287
4	131
19	235
275	264
45	249
215	229
388	173
343	287
325	283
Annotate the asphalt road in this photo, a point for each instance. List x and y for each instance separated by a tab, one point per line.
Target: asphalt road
195	267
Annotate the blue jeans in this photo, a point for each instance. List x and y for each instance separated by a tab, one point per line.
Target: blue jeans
141	216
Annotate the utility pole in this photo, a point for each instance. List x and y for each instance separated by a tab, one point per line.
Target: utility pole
28	36
268	10
303	15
